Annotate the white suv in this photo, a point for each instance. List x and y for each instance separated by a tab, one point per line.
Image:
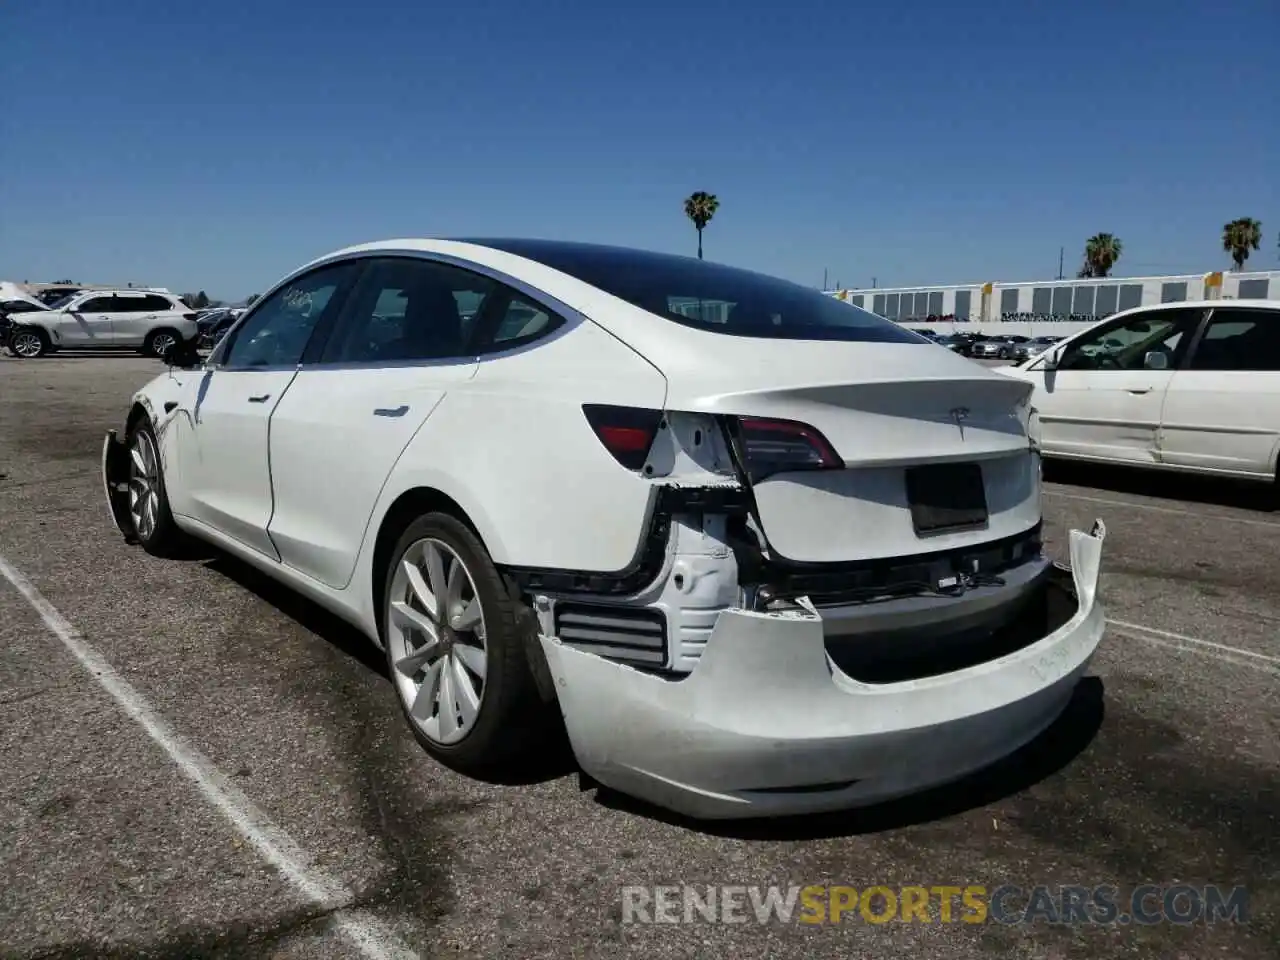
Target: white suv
134	319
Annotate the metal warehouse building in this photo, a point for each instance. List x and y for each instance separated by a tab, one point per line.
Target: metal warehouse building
1078	302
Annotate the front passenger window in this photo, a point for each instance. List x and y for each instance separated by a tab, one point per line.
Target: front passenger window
278	330
1127	345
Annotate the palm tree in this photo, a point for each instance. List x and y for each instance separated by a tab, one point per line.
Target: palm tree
700	207
1239	237
1101	251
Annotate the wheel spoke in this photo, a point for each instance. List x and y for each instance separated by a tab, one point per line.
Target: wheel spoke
464	692
138	460
416	660
436	576
406	617
470	616
448	712
472	658
453	591
428	693
420	590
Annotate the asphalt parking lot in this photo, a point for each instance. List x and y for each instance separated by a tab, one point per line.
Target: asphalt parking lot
341	839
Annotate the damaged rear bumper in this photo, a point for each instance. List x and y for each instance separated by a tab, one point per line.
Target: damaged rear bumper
768	725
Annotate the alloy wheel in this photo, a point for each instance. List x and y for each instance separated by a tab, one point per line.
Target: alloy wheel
436	634
162	343
144	485
26	344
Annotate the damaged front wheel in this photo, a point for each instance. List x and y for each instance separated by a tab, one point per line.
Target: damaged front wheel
148	500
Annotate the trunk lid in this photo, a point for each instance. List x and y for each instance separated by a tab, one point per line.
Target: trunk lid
885	409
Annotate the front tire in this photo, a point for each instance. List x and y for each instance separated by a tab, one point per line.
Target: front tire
455	645
28	342
149	511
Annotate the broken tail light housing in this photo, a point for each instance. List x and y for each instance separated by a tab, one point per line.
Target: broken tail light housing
772	446
626	432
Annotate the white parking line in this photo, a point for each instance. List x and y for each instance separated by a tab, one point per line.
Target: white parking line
370	936
1158	509
1220	651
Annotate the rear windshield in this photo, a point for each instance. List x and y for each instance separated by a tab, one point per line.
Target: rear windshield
710	296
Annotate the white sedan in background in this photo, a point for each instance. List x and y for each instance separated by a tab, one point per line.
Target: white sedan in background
1191	387
766	552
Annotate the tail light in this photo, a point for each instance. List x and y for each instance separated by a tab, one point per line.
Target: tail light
783	446
626	432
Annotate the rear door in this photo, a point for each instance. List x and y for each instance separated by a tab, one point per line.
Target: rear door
1103	401
128	323
137	314
404	342
1222	411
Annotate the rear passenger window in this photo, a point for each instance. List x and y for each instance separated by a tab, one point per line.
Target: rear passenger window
128	305
154	303
96	305
1240	340
406	309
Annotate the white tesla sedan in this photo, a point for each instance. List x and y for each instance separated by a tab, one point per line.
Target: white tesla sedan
767	552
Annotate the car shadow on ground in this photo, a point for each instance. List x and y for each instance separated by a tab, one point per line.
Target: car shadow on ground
1046	755
1217	491
553	760
1064	740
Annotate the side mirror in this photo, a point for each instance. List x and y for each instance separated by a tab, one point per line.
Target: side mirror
1156	360
1053	358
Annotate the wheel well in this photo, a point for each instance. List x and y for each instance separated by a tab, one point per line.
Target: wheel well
136	414
408	507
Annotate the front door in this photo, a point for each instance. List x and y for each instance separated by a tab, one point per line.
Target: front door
1222	412
1103	401
87	324
404	342
227	473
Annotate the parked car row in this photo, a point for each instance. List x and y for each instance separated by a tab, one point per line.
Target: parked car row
150	322
991	347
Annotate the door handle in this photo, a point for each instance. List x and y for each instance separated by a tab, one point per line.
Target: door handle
262	399
1136	391
399	411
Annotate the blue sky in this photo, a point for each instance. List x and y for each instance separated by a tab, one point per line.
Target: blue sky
217	146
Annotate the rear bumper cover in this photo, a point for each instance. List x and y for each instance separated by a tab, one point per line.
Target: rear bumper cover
767	725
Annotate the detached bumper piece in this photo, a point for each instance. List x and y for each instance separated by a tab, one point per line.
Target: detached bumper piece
768	725
115	483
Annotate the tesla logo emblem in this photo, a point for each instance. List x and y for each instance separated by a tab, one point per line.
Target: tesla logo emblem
960	415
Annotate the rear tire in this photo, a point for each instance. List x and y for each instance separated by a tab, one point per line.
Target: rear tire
160	341
489	714
149	511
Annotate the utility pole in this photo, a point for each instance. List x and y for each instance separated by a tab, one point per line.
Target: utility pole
1061	251
824	279
873	283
